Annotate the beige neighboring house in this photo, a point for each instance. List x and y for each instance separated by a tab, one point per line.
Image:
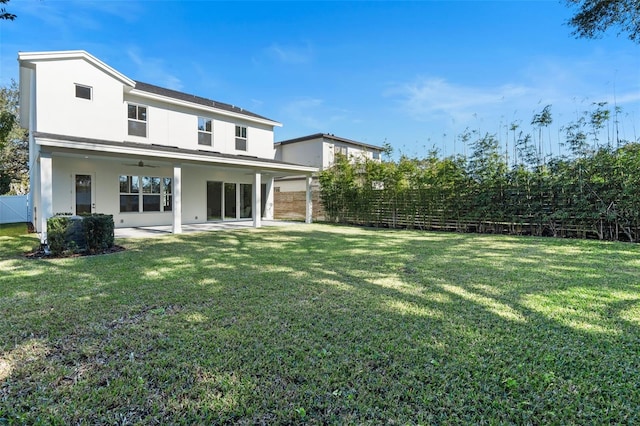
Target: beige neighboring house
318	150
100	142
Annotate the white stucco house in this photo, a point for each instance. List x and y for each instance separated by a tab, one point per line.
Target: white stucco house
318	150
100	142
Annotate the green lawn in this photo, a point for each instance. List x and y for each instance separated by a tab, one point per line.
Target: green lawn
324	325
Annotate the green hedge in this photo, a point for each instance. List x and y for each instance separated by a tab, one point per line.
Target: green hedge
79	234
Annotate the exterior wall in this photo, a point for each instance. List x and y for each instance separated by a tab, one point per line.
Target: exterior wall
318	152
177	126
295	184
307	153
105	115
102	117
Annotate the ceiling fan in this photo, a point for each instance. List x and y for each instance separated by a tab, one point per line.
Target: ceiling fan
139	164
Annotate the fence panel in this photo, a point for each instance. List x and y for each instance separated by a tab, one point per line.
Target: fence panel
14	208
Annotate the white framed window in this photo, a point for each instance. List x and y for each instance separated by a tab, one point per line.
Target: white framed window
129	194
137	120
84	92
150	194
340	149
241	138
145	194
204	131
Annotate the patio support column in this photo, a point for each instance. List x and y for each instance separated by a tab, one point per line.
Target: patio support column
268	205
177	199
46	193
257	202
309	209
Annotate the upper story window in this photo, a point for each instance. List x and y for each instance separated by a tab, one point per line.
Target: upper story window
375	155
204	131
84	92
137	120
339	149
241	138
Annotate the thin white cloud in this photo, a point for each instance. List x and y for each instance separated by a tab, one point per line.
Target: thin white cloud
71	15
153	70
305	112
571	86
426	98
289	54
311	114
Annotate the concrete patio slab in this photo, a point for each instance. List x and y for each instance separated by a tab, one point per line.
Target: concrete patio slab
157	231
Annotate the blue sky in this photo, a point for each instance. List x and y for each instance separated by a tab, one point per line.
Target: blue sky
414	74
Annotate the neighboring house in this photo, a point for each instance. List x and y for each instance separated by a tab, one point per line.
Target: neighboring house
318	150
100	142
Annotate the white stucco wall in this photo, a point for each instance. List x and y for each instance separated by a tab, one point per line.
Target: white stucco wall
307	153
60	112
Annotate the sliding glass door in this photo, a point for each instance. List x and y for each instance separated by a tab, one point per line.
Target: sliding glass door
230	207
214	200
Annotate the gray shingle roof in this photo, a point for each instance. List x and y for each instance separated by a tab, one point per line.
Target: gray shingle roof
157	90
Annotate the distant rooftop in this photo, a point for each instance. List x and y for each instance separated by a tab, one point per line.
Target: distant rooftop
330	137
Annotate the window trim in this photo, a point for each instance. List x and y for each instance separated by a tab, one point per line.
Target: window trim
165	196
242	135
83	86
205	131
137	119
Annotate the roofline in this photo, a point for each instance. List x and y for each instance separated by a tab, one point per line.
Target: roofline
220	111
329	136
167	153
31	57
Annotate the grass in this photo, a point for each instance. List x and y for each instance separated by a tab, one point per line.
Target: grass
322	324
13	229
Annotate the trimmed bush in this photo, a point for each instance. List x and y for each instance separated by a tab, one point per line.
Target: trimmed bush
98	232
76	234
57	234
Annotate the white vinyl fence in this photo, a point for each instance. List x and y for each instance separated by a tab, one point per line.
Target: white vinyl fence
14	208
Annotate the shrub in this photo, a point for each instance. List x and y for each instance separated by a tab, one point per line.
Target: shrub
57	230
76	234
98	232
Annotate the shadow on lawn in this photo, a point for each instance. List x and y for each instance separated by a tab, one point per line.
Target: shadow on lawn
367	325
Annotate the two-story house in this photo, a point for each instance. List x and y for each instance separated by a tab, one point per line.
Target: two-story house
100	142
318	150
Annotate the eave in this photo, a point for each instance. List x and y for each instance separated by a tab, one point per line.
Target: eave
167	153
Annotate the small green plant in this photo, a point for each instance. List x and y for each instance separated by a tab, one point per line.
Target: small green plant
301	412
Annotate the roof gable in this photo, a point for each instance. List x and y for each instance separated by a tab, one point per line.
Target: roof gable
32	57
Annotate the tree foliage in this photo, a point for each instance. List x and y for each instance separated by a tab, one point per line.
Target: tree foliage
3	12
594	17
591	191
14	146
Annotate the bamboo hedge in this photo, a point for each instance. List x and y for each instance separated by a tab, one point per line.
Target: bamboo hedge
586	194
